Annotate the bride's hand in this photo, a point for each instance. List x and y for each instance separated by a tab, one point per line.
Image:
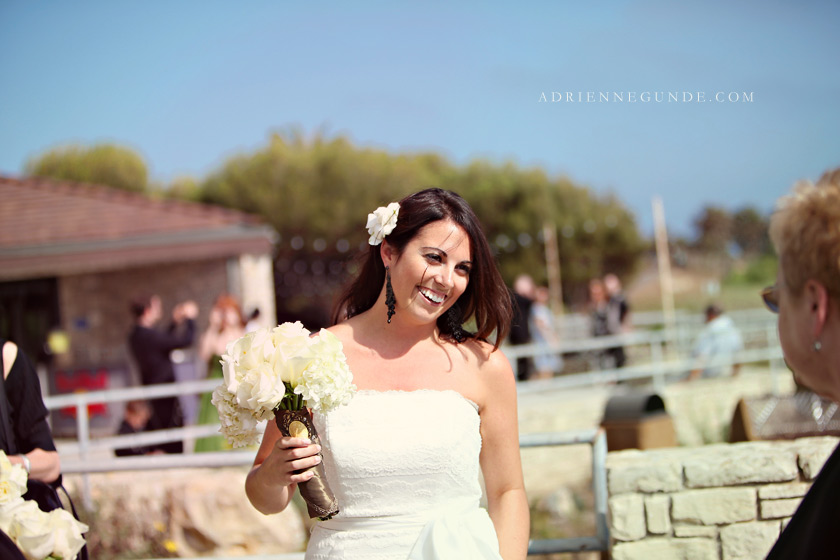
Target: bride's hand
289	457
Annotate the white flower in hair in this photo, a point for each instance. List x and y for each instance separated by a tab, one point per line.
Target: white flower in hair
381	222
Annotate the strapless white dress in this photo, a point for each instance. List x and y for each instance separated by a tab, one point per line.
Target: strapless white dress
404	468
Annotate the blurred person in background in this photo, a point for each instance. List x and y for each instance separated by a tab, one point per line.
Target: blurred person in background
599	322
226	325
151	348
25	435
544	333
716	346
805	231
520	327
135	419
618	317
254	320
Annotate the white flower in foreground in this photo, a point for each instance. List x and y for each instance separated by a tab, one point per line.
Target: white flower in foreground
239	425
266	365
12	483
326	382
30	529
381	222
256	365
68	534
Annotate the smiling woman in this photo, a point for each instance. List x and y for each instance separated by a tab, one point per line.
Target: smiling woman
435	405
492	312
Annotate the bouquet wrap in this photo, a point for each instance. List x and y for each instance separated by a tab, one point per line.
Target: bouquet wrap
320	500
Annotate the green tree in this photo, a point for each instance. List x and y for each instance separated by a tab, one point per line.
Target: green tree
104	164
321	188
714	229
749	231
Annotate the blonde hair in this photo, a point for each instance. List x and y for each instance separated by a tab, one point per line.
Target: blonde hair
805	230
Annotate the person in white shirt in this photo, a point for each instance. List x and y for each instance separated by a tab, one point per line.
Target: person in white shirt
717	346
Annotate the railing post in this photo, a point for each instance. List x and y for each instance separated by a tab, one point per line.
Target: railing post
656	365
599	488
83	433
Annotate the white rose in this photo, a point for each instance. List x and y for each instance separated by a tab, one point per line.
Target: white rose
381	222
292	344
256	365
30	529
68	534
12	483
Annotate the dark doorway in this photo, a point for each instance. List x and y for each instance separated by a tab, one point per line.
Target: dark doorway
28	311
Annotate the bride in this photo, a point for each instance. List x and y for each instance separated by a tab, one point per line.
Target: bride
435	402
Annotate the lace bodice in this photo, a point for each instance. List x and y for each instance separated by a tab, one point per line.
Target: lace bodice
390	452
395	453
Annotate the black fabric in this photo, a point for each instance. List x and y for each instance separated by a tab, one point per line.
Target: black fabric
20	402
45	495
8	549
25	408
811	531
520	330
151	349
7	434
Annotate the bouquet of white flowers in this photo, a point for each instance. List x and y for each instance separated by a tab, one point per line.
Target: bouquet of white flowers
40	535
283	373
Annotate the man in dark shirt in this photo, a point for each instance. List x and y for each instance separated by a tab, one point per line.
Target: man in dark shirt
150	349
520	331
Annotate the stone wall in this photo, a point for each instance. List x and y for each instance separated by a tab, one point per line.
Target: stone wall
724	501
183	513
701	411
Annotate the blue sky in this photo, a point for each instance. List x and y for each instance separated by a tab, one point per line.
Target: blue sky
188	83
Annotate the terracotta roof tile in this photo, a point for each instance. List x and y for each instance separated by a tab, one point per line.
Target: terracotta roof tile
54	227
38	211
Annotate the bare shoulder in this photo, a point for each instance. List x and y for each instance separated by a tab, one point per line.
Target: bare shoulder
343	330
494	369
346	332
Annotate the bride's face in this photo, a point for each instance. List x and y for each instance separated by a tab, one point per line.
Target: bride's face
432	271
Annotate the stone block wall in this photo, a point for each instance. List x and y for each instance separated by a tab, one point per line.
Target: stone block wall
718	502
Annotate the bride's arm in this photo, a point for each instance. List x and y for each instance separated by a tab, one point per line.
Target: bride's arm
272	480
500	460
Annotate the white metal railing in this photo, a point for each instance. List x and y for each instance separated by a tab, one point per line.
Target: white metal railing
658	369
85	455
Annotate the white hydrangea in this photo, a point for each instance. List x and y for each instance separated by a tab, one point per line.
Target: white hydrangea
238	425
326	383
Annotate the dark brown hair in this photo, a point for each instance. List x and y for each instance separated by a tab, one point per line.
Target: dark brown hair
486	298
139	303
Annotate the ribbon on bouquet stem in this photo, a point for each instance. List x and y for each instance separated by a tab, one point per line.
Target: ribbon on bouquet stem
320	499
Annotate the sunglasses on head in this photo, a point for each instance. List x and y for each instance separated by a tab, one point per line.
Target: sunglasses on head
770	295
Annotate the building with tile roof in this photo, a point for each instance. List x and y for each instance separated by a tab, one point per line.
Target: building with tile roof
72	255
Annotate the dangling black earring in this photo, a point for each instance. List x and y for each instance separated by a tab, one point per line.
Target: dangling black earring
390	300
